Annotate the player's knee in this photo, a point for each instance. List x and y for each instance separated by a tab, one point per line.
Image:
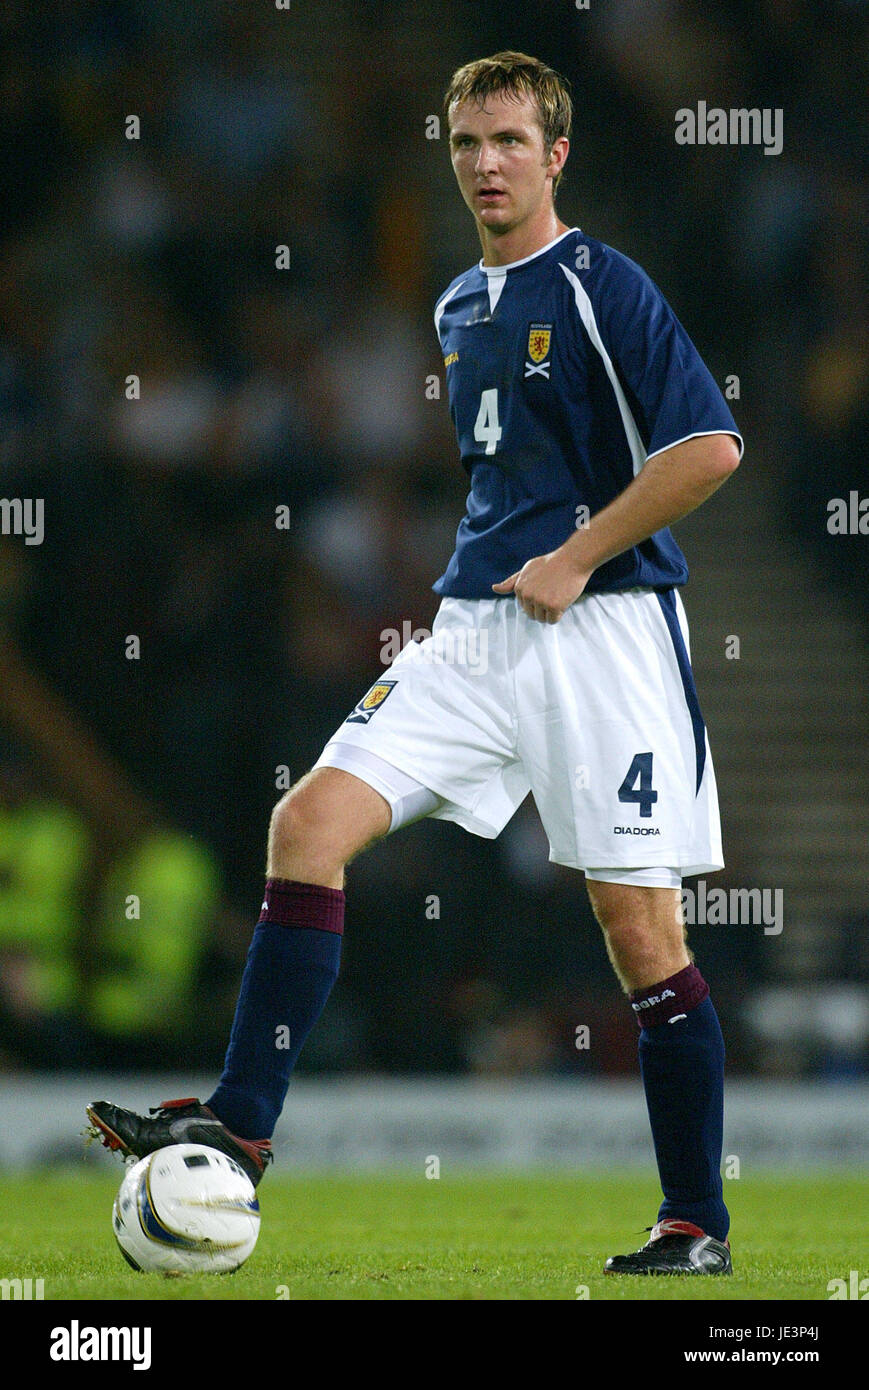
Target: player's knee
322	823
639	936
631	942
299	832
287	823
643	929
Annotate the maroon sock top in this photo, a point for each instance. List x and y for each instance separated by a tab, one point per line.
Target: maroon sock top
667	1000
290	904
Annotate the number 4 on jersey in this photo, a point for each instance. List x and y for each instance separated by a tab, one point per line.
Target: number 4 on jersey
487	430
640	771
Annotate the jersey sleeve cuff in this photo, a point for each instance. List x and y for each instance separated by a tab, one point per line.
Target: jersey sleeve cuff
698	434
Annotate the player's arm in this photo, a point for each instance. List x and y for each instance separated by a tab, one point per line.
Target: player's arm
668	487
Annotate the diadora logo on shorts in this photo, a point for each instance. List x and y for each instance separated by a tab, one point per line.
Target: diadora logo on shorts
539	344
635	830
370	703
653	999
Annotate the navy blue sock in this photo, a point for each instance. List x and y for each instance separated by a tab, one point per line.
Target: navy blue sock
291	967
682	1065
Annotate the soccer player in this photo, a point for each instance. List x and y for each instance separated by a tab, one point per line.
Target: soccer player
588	425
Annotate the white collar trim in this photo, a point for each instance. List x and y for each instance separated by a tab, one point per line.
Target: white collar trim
513	265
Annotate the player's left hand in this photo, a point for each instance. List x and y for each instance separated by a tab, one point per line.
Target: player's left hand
546	586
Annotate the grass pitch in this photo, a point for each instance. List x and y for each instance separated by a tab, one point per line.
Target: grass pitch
525	1236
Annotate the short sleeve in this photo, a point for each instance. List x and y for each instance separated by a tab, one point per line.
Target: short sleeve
672	393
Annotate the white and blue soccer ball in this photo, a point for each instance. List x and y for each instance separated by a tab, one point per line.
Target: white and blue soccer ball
186	1209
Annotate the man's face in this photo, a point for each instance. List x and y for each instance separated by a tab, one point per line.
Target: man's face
500	159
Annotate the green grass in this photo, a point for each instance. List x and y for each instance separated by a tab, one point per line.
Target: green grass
528	1236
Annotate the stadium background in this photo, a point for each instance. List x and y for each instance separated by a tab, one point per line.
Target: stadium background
153	774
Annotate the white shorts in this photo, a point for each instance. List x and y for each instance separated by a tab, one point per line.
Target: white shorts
596	715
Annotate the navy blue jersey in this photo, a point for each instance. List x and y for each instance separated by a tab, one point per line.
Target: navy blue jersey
565	371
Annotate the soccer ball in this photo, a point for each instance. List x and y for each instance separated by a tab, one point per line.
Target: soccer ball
186	1209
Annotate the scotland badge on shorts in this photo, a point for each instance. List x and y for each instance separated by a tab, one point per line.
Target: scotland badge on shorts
370	703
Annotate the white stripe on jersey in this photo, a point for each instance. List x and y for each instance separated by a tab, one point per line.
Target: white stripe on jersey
439	308
586	313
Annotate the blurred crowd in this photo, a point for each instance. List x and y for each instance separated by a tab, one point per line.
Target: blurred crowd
222	232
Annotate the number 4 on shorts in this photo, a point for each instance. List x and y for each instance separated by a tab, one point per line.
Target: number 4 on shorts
640	771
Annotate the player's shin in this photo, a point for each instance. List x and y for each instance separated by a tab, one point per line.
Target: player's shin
291	967
681	1053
